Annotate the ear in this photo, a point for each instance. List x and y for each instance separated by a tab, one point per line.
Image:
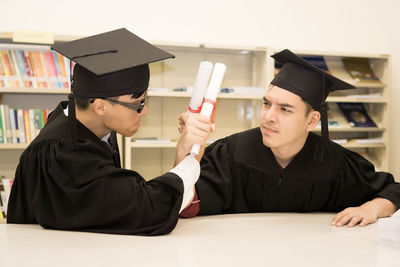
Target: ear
313	119
99	106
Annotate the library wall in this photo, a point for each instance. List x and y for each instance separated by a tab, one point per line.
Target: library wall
341	25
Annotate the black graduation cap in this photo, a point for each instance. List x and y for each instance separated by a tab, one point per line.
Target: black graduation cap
110	64
310	83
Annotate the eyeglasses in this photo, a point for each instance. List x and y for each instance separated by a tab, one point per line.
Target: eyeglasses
136	107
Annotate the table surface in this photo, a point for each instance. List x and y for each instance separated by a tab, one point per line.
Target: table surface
259	239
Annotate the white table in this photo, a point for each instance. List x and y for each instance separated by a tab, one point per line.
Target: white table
263	239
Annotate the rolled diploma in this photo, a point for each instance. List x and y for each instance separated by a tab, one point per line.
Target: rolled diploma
200	85
212	93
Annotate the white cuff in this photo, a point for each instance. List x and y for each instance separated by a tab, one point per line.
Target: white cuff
189	171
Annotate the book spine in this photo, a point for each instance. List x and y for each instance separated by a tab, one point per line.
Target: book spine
6	70
64	72
11	71
2	133
2	74
17	68
21	126
49	69
8	125
24	74
27	126
44	76
13	126
31	113
37	121
57	69
3	202
29	69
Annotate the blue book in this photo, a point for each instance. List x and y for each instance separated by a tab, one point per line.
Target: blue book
356	115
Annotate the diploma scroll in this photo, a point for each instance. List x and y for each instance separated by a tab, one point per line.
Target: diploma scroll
211	97
200	86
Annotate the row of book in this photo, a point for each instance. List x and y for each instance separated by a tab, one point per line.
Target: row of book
358	68
34	69
5	189
20	126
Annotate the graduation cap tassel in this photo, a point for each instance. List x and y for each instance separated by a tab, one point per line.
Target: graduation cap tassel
320	149
71	120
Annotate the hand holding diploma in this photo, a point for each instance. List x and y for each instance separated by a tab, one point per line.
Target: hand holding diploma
211	97
196	128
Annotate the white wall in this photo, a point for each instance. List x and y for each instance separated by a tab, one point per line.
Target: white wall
342	25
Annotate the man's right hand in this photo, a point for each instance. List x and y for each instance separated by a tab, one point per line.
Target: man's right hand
194	129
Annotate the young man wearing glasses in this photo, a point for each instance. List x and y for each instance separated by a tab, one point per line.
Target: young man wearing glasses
70	176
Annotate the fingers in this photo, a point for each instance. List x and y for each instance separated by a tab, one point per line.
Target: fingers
364	222
354	220
196	124
353	216
213	127
342	220
338	216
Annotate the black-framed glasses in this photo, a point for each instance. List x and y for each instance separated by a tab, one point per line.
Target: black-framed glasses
136	107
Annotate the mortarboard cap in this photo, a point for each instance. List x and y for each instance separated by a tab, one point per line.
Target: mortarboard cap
310	83
306	80
110	64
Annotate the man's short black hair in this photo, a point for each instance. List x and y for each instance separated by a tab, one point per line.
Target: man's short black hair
309	108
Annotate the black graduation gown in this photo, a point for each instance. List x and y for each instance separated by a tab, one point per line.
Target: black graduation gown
86	189
239	174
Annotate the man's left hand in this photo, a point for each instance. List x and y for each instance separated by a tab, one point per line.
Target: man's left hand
362	215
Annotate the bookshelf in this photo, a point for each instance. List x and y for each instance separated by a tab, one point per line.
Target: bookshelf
20	89
371	142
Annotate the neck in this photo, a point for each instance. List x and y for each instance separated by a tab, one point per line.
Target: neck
285	154
92	121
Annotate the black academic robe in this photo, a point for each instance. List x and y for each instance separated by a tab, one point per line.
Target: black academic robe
85	189
239	174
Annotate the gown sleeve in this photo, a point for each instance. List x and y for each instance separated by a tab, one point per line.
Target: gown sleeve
214	186
85	190
358	182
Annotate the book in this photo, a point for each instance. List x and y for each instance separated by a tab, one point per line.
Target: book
6	124
21	126
13	126
5	184
360	69
3	201
356	115
2	130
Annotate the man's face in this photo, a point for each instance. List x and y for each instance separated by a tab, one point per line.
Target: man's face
283	121
123	120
